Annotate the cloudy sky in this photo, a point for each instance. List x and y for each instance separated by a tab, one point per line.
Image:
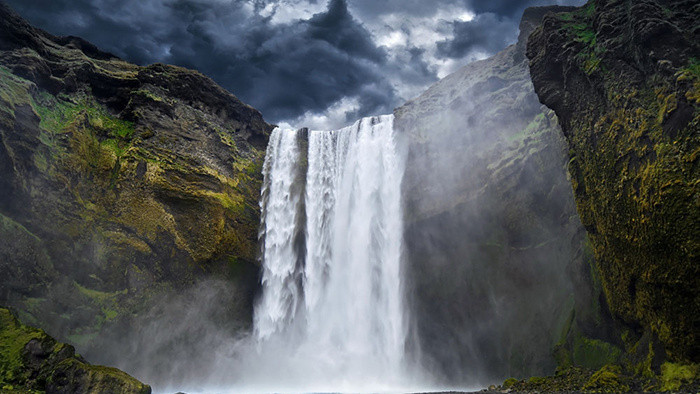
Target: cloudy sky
316	63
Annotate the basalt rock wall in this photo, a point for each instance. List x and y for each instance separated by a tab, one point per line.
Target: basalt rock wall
123	188
623	78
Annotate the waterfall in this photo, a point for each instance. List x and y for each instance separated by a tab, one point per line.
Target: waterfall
332	232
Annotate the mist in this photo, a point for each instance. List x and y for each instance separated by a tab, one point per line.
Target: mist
491	227
154	222
490	236
425	250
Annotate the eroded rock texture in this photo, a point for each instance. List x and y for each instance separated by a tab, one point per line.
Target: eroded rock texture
623	78
121	185
32	360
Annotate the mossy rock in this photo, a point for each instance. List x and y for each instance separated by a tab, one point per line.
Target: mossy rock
607	379
634	147
30	360
120	184
675	377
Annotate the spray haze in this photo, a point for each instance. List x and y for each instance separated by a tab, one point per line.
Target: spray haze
472	175
428	249
491	227
331	309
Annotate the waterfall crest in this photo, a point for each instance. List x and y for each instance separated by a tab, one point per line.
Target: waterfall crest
332	237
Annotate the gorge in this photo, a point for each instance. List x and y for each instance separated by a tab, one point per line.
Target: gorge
533	213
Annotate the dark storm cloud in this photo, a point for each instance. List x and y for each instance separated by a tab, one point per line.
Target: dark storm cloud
486	33
494	27
291	67
284	70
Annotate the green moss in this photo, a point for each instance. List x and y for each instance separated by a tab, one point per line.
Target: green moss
675	376
7	225
594	353
537	380
57	113
562	355
536	126
691	73
589	8
117	146
148	94
579	26
637	190
13	338
90	180
14	91
510	382
607	379
644	366
105	302
693	69
110	314
73	375
566	16
98	296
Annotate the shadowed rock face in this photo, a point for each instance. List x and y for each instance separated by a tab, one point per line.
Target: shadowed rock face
494	242
120	184
624	79
33	360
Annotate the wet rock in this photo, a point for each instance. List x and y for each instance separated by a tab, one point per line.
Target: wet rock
623	79
121	184
32	360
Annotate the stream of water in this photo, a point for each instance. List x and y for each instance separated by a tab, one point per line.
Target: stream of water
332	303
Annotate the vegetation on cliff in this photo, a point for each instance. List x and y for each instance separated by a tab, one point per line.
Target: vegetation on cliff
622	77
609	379
31	361
120	184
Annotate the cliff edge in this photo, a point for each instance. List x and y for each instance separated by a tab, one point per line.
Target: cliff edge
122	186
623	78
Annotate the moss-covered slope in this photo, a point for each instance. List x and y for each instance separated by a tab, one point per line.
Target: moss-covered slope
120	183
32	361
623	78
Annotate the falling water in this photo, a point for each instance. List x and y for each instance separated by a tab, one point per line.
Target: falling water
332	301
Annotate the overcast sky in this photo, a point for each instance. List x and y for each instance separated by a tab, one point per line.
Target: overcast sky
314	63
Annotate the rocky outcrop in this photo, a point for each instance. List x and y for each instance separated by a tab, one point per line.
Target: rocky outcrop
32	360
495	248
623	78
121	185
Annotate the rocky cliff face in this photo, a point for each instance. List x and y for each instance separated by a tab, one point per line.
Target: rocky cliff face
120	185
623	77
495	245
32	360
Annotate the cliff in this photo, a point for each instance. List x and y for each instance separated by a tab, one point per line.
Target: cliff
497	257
32	360
623	78
121	186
